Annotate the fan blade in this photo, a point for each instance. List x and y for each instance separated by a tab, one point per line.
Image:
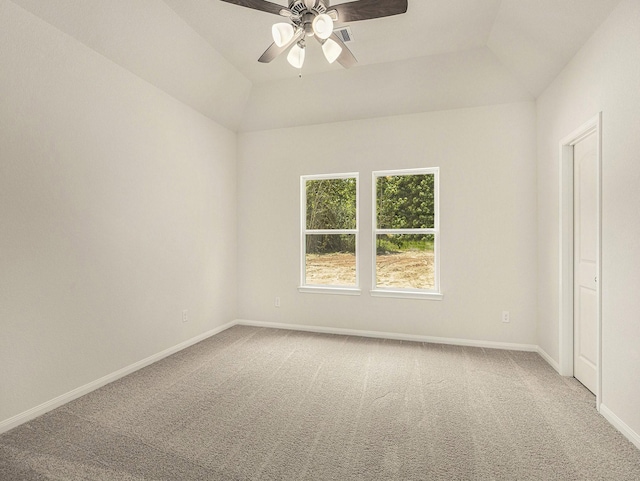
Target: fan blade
273	51
333	14
261	5
368	9
346	58
310	4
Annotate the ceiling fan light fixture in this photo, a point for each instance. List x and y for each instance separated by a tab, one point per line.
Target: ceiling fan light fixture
296	56
331	50
323	26
315	18
282	33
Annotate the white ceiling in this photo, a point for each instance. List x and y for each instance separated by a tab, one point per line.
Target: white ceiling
430	27
441	54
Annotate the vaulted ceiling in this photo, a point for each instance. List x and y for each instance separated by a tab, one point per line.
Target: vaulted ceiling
441	54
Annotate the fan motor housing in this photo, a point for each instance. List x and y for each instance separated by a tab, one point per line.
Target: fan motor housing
298	7
307	23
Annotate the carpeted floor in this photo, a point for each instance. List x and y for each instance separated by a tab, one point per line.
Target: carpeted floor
263	404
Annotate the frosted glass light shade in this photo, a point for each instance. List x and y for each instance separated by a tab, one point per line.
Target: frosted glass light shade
282	33
296	56
323	26
331	50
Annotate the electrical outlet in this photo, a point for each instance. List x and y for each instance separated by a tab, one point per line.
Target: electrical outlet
185	315
277	302
505	316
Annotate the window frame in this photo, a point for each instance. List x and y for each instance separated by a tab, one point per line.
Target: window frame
399	292
350	290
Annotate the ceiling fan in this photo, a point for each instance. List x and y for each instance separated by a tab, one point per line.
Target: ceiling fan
315	18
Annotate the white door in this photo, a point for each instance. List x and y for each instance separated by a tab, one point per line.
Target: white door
585	265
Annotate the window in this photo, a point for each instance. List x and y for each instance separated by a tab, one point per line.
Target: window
329	233
406	233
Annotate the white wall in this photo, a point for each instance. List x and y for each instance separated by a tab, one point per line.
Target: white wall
488	220
604	76
117	211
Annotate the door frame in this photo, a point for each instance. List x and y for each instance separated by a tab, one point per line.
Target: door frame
566	248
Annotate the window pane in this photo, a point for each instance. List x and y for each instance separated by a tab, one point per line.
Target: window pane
405	201
331	204
331	260
405	261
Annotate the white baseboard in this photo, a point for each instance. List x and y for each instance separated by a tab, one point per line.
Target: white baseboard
391	335
620	425
549	359
54	403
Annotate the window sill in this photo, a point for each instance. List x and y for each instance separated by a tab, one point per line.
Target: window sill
339	291
433	296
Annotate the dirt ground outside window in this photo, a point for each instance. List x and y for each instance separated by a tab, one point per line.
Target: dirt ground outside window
408	269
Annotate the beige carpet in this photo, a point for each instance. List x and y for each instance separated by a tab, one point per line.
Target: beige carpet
263	404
